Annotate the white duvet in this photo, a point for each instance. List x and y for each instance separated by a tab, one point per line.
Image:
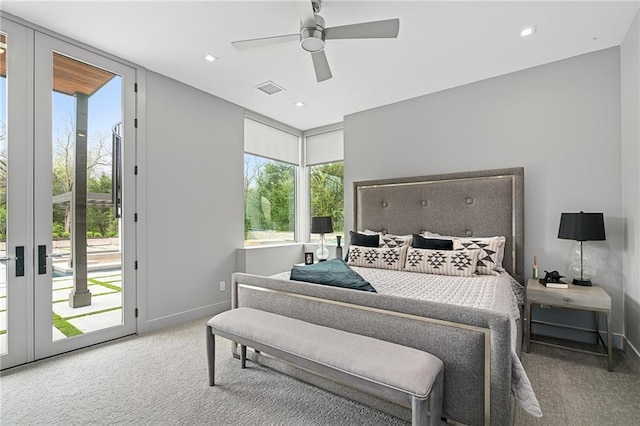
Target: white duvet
495	293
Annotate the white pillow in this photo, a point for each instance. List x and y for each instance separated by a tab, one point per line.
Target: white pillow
460	263
377	257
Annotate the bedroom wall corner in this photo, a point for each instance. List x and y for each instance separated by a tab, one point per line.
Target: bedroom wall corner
560	121
630	88
194	200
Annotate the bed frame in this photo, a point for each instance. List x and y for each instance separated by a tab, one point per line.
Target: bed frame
473	344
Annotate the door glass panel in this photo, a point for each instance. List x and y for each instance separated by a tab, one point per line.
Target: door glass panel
3	195
87	255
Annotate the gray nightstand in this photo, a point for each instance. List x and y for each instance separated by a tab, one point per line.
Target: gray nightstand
593	299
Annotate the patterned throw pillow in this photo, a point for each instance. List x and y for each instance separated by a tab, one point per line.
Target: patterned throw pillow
377	257
496	243
460	263
489	249
391	241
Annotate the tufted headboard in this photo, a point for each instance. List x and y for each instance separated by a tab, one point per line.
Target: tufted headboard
483	203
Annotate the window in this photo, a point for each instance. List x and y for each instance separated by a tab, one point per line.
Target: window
270	169
326	193
324	155
269	201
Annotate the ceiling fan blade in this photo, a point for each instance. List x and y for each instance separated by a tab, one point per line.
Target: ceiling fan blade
305	12
378	29
265	41
321	65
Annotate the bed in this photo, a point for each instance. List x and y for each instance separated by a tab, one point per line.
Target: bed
477	333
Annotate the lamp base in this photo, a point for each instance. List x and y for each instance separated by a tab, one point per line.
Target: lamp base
586	283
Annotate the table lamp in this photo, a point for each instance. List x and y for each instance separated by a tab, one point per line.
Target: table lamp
582	227
321	225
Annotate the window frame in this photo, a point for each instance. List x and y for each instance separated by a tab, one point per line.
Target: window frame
274	125
302	175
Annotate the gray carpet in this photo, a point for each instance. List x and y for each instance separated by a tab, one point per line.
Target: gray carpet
577	389
161	379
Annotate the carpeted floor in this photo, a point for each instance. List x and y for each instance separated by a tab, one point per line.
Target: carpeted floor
161	379
577	389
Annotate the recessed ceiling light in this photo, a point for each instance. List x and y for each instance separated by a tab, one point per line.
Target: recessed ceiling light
527	31
210	58
299	104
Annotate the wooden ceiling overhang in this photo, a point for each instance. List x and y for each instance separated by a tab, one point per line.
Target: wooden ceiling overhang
70	76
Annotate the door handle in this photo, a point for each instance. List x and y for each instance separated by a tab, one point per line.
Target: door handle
19	261
42	260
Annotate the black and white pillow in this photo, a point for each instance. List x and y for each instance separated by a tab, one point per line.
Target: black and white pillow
392	241
489	253
377	257
460	263
490	263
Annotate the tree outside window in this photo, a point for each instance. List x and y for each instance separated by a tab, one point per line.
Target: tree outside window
326	192
269	198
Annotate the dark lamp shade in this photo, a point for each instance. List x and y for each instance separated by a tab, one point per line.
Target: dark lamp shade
582	226
321	225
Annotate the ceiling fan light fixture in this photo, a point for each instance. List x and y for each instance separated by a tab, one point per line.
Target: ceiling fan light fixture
312	38
311	42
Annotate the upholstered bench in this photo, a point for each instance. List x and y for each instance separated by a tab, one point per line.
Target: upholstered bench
394	372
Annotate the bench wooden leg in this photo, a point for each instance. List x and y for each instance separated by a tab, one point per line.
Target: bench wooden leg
211	354
243	356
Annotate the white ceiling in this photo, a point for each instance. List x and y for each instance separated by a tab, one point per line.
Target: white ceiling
440	45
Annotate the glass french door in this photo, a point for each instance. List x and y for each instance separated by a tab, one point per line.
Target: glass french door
69	268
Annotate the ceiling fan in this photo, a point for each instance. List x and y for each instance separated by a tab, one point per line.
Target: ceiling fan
313	34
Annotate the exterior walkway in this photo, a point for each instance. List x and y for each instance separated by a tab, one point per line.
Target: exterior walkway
105	309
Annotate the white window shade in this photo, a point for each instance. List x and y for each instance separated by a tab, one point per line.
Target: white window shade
269	142
325	148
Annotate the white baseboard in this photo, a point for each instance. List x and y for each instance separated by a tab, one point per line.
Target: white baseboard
193	314
633	355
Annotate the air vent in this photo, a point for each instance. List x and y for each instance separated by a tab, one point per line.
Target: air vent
269	88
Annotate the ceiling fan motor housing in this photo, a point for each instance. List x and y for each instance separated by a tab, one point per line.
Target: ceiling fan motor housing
312	38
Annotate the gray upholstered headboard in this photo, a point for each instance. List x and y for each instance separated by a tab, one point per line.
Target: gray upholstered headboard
470	204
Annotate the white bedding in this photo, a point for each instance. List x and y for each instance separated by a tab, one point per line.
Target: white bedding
496	293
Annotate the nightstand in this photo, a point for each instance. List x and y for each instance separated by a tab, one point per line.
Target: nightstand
593	299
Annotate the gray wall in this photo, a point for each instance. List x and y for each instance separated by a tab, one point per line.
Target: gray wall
194	201
561	121
630	88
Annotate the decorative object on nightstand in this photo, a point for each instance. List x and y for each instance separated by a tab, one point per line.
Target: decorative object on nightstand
339	247
552	280
321	225
535	267
582	227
